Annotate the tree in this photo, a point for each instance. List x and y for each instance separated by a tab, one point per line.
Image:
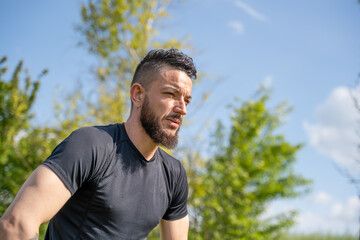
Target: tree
247	173
15	104
118	34
22	146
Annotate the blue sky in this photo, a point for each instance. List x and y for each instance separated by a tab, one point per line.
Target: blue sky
307	51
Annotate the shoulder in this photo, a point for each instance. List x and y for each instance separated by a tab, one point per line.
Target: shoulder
95	135
96	131
172	165
169	160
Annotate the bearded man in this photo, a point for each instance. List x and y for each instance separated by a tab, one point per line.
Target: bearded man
114	182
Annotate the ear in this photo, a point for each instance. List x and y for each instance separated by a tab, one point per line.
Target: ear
137	94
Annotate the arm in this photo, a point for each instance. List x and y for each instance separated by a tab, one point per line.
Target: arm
175	230
39	199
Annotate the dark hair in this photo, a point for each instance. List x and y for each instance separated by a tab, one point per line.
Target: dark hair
159	58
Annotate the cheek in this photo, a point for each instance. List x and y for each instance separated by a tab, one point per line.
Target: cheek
160	110
165	106
162	106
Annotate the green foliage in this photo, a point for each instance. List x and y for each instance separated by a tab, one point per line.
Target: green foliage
119	34
22	147
15	104
251	170
14	107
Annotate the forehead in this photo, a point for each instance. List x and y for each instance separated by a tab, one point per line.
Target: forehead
173	77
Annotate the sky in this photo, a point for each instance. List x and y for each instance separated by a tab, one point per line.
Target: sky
307	52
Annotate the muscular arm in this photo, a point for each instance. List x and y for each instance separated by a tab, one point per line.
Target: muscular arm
38	200
174	230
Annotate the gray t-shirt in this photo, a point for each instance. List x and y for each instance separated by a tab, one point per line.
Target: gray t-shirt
116	193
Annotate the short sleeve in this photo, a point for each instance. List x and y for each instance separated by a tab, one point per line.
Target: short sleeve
178	206
75	160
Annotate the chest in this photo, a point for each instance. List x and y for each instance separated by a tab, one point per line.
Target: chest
130	193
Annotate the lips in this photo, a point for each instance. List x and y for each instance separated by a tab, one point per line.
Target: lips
174	121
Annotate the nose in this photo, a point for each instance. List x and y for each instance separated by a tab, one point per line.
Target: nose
180	107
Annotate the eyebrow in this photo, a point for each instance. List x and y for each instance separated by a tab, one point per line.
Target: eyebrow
177	90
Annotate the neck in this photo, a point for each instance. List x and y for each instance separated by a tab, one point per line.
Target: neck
140	138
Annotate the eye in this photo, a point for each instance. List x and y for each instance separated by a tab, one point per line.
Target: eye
170	93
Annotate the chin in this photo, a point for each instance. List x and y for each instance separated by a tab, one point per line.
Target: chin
170	130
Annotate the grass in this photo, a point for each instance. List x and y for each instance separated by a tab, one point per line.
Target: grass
319	236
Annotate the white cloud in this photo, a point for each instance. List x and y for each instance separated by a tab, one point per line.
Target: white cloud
310	222
322	198
336	210
336	131
237	26
320	212
339	217
251	11
346	211
275	208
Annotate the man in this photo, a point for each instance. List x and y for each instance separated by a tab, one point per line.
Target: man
113	182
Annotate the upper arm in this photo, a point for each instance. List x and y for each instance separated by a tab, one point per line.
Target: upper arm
39	199
175	230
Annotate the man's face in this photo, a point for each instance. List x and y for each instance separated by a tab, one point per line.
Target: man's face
165	105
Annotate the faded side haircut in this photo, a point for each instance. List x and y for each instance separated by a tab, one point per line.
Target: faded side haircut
156	59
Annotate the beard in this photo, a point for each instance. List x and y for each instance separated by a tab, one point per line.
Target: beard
152	125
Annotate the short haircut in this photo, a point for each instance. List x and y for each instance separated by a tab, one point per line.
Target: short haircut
156	59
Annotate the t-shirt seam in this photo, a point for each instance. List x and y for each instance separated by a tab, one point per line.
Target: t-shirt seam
63	178
102	170
85	218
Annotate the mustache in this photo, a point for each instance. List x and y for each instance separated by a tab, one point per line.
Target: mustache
175	116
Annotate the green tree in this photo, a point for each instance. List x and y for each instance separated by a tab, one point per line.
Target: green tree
15	104
247	173
118	34
22	146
